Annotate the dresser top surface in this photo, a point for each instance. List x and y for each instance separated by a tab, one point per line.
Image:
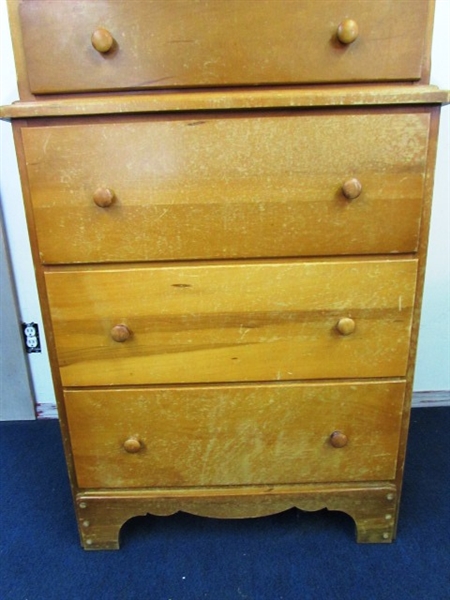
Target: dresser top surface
256	98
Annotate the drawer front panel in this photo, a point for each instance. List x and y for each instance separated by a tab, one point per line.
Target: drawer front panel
232	322
214	42
218	187
239	435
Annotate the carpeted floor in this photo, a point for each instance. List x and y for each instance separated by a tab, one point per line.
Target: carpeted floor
290	556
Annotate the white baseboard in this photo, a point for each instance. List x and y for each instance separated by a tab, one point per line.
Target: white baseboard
46	410
438	398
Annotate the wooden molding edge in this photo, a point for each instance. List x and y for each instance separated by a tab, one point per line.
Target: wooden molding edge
244	99
101	514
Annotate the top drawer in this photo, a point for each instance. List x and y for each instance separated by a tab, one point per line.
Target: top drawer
182	43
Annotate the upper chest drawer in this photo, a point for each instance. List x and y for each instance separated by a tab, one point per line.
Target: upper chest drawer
221	186
184	43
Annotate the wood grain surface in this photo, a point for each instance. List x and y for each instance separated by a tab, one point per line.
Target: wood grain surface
237	435
232	322
247	185
101	513
228	205
234	99
215	43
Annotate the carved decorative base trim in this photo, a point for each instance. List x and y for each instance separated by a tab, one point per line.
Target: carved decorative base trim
102	514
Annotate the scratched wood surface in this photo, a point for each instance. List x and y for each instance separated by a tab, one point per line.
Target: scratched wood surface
227	186
300	316
232	322
215	43
234	99
101	513
235	435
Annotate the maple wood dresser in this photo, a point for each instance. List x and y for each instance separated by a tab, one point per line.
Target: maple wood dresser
228	204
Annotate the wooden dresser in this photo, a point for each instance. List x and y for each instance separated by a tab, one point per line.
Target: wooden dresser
228	205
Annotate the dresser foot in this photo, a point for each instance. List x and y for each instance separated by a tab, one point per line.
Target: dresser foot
99	528
377	526
373	510
101	515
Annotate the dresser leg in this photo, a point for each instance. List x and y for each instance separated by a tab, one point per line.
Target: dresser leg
374	514
99	527
373	510
376	528
372	507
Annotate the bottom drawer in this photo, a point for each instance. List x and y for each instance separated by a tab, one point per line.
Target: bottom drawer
235	435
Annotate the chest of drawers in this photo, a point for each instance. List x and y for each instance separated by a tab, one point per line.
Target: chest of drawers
228	205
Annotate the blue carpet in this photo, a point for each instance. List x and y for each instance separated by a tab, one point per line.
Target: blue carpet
289	556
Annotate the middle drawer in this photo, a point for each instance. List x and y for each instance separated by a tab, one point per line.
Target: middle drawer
278	320
227	186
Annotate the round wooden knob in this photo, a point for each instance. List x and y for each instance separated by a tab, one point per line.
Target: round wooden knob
120	333
347	31
346	326
351	188
132	445
103	197
102	40
338	439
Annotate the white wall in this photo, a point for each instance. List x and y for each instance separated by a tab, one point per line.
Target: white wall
433	366
14	219
433	358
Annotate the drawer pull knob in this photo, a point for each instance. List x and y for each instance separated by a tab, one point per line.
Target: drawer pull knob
351	188
338	439
102	40
346	326
103	197
120	333
347	31
132	445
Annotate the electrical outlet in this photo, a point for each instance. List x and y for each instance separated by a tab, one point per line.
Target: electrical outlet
31	337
